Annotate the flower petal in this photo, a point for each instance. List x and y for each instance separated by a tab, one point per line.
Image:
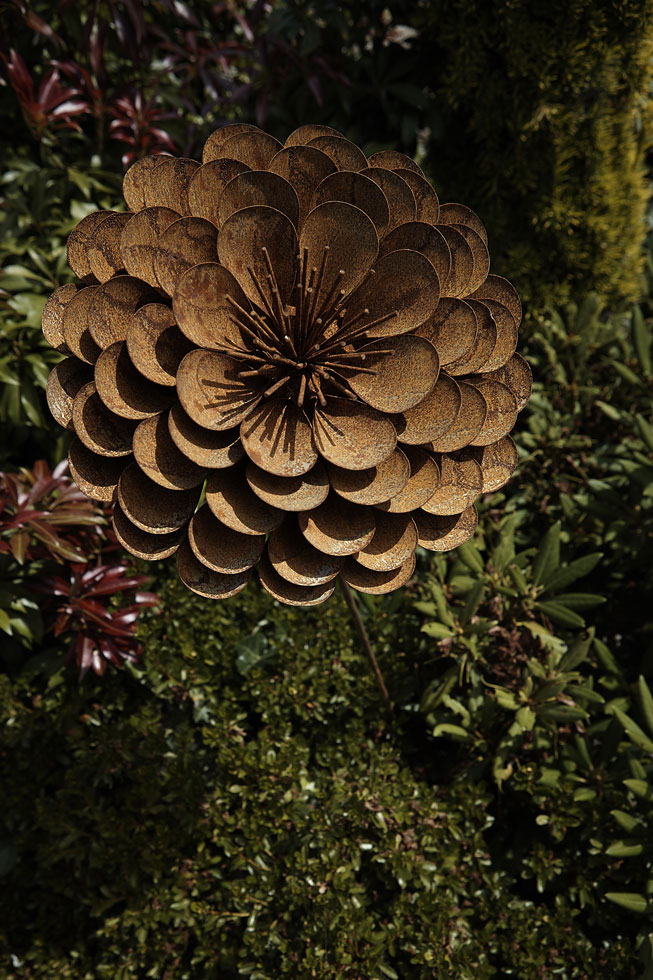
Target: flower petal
507	335
480	255
221	548
161	460
393	160
304	168
76	319
433	416
290	593
304	134
96	476
501	411
345	155
353	435
501	291
124	390
155	343
498	461
377	583
213	146
458	214
338	527
241	247
103	246
208	183
233	502
460	485
277	436
485	342
404	288
77	244
401	202
462	263
143	544
297	561
352	241
418	236
468	422
427	206
255	149
211	585
394	542
113	305
402	378
65	380
52	319
516	375
150	506
258	187
354	188
451	329
445	533
373	485
201	307
421	485
211	392
159	181
99	429
212	449
290	493
185	243
139	241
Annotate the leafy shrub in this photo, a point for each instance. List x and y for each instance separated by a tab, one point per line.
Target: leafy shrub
51	545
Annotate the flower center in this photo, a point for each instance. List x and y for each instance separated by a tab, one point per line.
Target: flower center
311	348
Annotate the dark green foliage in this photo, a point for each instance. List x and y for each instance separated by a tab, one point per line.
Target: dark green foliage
237	806
206	819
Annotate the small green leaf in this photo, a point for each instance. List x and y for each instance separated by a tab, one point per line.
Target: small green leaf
645	430
564	576
447	729
624	848
633	730
627	374
548	556
437	630
646	699
628	900
468	553
560	614
578	651
625	820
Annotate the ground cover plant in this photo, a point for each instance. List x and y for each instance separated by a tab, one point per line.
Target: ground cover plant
230	800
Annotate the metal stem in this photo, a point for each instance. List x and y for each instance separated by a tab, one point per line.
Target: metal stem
362	632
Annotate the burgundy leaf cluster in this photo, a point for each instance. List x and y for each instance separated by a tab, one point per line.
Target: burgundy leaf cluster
59	543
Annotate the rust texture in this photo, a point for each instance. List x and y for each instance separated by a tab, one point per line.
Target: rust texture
304	337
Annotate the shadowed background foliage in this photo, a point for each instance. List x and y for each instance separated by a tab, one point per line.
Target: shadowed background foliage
232	803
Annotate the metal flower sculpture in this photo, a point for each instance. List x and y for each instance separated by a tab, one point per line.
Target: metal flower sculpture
306	334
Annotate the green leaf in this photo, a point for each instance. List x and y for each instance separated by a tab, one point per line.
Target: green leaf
5	623
639	787
564	576
578	651
548	556
625	820
645	430
560	614
474	600
633	730
468	553
625	848
546	638
437	630
447	729
646	699
627	374
628	900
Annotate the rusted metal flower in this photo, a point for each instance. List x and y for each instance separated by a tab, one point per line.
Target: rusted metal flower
306	335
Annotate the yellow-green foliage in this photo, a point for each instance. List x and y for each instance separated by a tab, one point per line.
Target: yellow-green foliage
546	122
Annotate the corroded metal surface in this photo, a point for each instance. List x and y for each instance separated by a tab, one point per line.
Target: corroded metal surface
307	335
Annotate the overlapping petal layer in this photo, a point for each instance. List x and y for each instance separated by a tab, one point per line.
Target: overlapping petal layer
303	337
